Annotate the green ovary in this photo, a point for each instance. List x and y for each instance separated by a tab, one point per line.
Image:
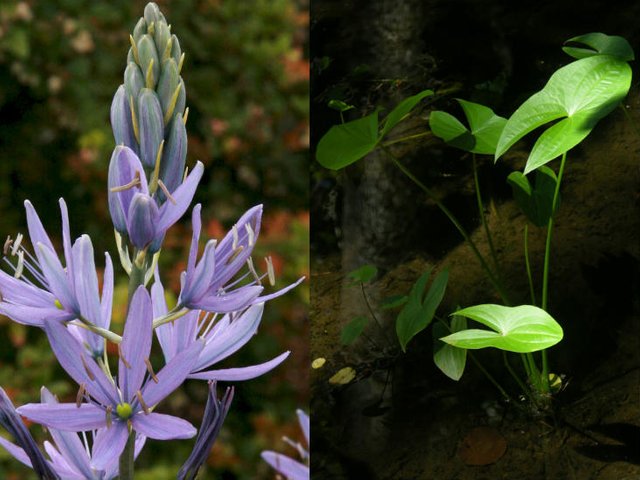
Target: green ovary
124	411
58	304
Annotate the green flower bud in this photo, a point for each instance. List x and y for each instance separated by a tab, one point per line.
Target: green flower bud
161	35
149	61
139	30
152	14
151	126
133	80
174	156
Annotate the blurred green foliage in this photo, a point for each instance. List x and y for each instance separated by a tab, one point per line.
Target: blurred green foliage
246	75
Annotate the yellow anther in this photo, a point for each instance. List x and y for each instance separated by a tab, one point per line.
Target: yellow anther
142	403
150	370
80	395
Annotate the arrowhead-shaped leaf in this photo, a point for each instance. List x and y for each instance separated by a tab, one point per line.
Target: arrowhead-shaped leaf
521	329
449	359
582	93
417	313
535	201
349	142
482	135
600	44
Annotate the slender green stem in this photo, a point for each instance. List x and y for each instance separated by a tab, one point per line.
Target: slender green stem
406	139
489	376
528	264
545	272
126	459
534	376
492	278
483	219
106	334
174	314
513	373
135	280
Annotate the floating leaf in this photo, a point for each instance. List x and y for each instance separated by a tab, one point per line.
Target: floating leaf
347	143
352	330
343	376
402	109
449	359
580	94
483	134
364	274
318	363
521	329
600	44
535	201
417	313
340	105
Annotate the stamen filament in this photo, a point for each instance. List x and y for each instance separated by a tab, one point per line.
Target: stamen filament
142	403
122	357
166	192
80	395
86	368
252	269
235	254
108	414
7	245
133	183
20	266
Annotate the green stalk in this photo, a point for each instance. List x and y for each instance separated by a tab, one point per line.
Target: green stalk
513	373
483	219
406	139
545	272
489	377
492	278
126	459
528	264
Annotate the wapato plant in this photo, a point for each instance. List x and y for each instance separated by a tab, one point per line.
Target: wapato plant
575	98
218	310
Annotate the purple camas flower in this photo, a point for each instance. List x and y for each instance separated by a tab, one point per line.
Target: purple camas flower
222	336
206	283
71	457
288	467
114	407
134	204
42	290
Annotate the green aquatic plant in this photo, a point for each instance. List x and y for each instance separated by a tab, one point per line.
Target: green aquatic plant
575	98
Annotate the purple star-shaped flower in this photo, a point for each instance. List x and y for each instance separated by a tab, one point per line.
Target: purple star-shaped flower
205	283
222	335
114	407
42	290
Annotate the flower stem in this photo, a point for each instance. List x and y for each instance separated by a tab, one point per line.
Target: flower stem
483	219
126	459
492	278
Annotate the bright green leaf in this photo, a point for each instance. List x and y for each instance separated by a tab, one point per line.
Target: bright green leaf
600	44
352	330
582	93
347	143
449	359
417	313
521	329
402	109
484	130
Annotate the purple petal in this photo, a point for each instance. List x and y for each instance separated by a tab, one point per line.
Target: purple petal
121	122
225	251
109	444
198	282
57	278
86	288
196	225
34	316
271	296
172	375
37	233
170	213
151	126
229	338
19	292
288	467
305	426
68	443
240	374
60	464
66	239
123	168
79	365
162	427
65	416
106	303
16	452
136	344
238	299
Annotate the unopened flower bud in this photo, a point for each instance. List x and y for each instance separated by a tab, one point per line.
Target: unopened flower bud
133	80
121	120
148	60
151	126
174	156
143	218
171	97
125	179
152	14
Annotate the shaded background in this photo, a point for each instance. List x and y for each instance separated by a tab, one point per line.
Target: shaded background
246	76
